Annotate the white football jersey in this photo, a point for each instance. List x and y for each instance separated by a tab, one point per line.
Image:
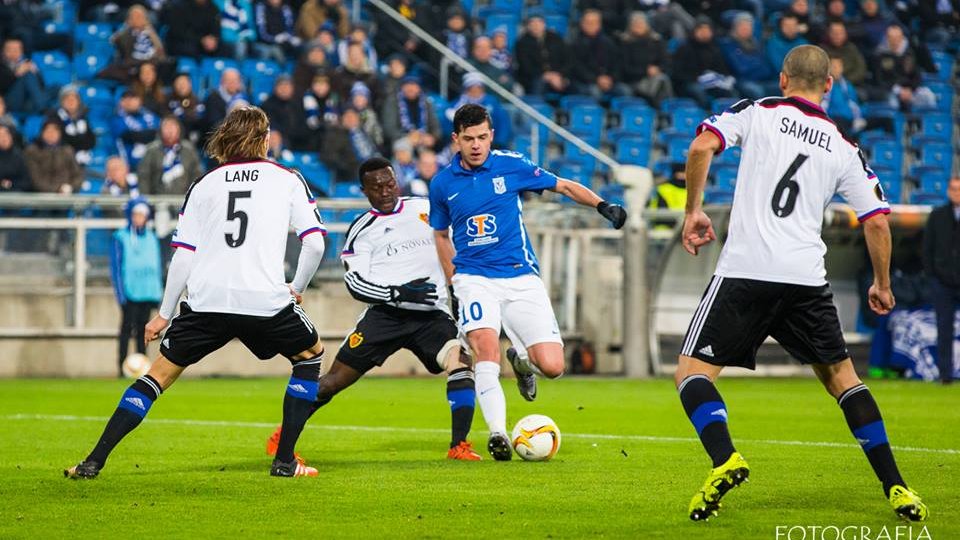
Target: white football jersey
387	250
236	218
793	160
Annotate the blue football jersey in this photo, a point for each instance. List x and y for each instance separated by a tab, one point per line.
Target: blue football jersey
484	207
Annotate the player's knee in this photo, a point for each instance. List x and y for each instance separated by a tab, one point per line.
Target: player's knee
552	370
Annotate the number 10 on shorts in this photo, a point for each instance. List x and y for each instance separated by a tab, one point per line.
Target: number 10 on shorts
474	313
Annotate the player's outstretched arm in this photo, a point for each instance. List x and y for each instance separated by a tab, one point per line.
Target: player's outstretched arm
311	253
177	276
876	230
697	227
581	194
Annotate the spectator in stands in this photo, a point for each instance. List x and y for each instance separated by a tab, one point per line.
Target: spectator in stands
229	94
939	21
312	63
170	162
118	180
346	146
185	105
841	102
20	80
427	166
77	132
941	261
482	53
236	26
134	126
475	93
611	12
808	26
134	43
316	13
500	56
542	59
9	121
320	109
357	68
785	38
369	121
596	60
396	72
14	175
282	106
52	165
394	38
667	18
699	67
275	36
409	114
838	44
896	71
871	25
755	76
136	270
836	11
194	28
277	149
457	36
358	34
645	61
405	167
147	85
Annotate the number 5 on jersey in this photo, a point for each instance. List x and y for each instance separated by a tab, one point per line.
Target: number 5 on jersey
234	214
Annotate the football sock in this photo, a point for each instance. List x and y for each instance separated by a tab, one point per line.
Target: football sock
493	404
461	395
863	418
133	407
298	404
708	414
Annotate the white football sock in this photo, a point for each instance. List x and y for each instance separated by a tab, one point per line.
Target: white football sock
490	396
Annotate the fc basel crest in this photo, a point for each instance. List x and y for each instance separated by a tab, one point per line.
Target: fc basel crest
499	185
355	340
425	217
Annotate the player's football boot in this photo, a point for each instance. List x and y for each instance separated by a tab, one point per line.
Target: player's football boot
463	452
294	468
499	447
274	441
907	504
722	479
526	381
84	469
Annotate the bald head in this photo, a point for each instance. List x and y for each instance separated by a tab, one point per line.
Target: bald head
806	68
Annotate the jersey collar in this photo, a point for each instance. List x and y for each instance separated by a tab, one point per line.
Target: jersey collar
396	210
808	103
458	167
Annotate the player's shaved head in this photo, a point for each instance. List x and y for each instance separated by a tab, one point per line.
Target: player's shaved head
371	165
807	67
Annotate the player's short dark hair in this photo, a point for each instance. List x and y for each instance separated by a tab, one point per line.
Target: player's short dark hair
373	164
808	67
470	115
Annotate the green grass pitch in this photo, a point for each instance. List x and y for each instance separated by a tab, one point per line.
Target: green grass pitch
628	464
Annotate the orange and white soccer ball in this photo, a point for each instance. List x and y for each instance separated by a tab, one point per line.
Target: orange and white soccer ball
536	438
136	365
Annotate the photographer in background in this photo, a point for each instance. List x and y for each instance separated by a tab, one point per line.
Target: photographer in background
941	261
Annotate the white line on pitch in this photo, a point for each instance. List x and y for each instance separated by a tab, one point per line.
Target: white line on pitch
387	429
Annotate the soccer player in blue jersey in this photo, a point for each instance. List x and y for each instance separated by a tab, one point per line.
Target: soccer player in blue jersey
491	265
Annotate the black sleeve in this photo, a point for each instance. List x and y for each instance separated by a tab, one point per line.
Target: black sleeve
929	243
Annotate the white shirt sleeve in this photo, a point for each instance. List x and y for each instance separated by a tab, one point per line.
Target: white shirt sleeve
177	276
305	220
187	234
732	126
860	187
356	266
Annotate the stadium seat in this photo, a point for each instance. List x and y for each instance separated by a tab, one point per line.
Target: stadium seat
556	6
933	180
638	119
944	62
586	118
574	153
91	186
868	139
210	69
318	177
55	77
725	176
719	105
937	155
667	106
685	120
509	21
558	23
925	198
633	150
568	102
677	150
51	60
512	6
612	193
891	182
524	123
347	189
938	125
887	154
260	87
730	156
87	35
618	103
31	127
305	158
86	66
567	168
944	94
718	195
524	145
252	68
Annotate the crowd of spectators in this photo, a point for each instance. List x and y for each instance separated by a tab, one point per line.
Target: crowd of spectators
346	91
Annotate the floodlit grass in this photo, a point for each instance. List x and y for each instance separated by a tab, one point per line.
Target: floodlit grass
627	467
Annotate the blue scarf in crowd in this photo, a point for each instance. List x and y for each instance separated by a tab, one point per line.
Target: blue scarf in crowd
457	42
143	48
406	122
362	145
172	168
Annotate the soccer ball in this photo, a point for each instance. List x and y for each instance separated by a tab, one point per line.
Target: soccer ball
536	438
136	365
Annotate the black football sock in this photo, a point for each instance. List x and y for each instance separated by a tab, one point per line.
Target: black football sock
461	395
133	407
298	404
863	418
708	414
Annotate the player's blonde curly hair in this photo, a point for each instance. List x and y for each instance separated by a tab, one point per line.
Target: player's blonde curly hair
241	135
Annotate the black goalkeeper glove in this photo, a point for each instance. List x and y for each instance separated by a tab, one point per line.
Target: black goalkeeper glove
613	212
418	291
454	303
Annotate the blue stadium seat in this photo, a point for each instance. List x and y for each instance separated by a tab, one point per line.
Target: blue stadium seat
933	180
92	35
51	59
568	102
55	77
633	150
944	62
347	189
513	6
730	156
719	105
574	153
567	168
210	69
925	198
718	195
586	118
939	125
870	138
305	158
638	119
556	6
558	23
877	109
509	21
252	67
887	154
524	123
31	127
893	189
669	105
91	186
725	176
524	145
318	177
618	103
260	87
54	27
101	126
86	66
686	120
937	155
677	150
612	193
944	94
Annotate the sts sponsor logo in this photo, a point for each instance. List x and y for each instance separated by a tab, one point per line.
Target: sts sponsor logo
481	228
